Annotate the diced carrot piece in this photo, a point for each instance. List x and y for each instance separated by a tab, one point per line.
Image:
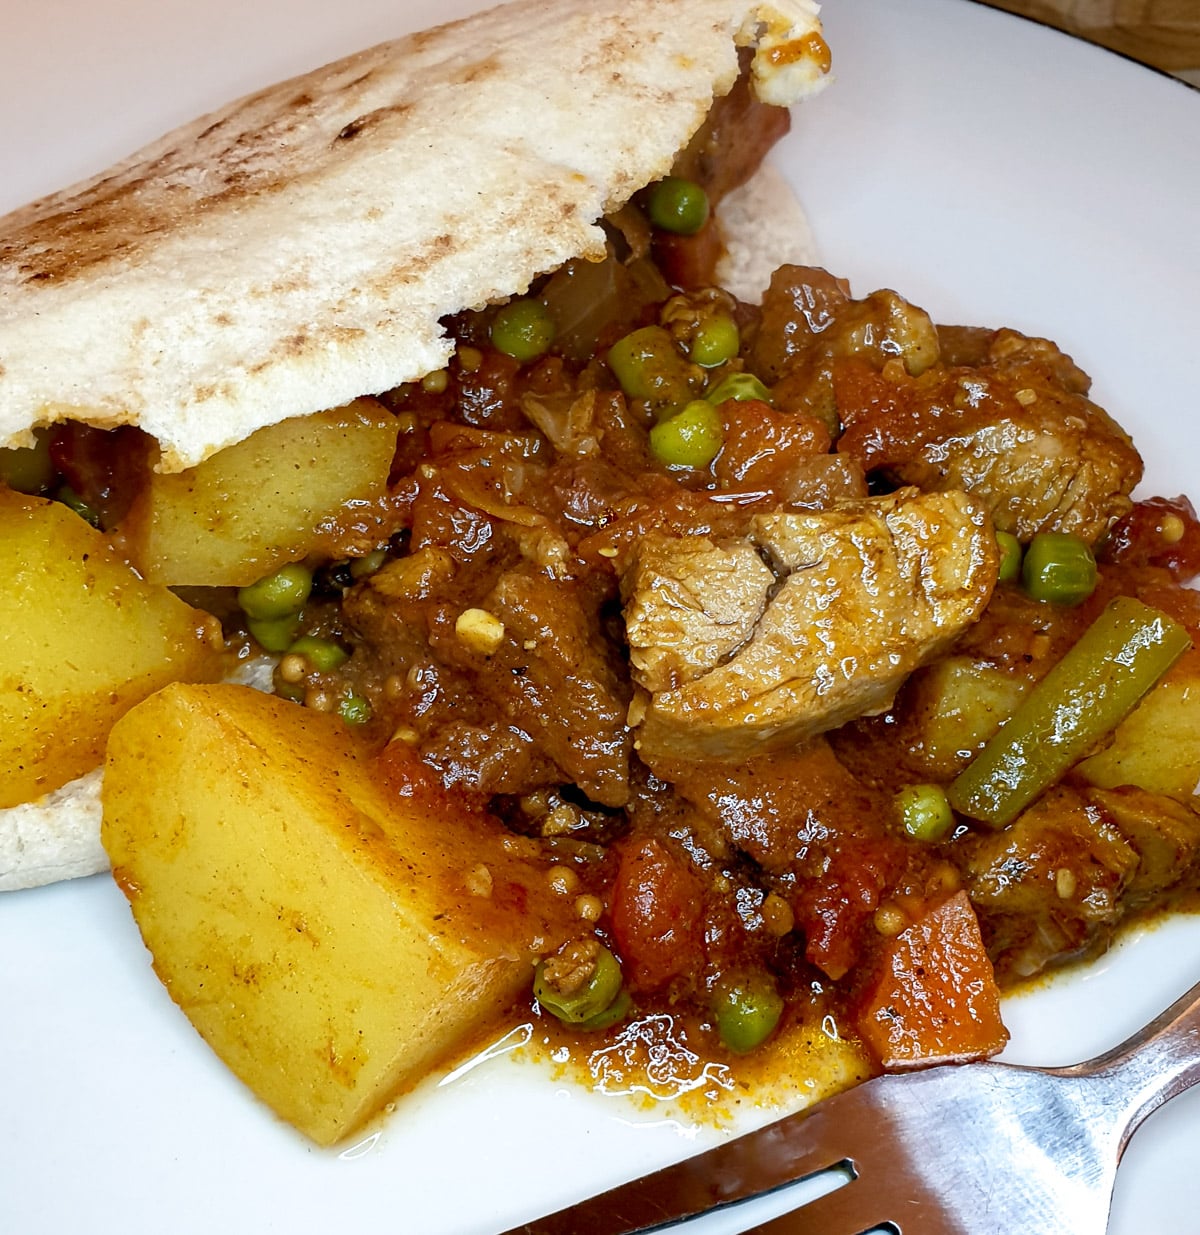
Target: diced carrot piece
934	998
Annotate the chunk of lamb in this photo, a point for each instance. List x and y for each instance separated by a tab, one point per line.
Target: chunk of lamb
531	697
1015	431
855	599
810	324
690	604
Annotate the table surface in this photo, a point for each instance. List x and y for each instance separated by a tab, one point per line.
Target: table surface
1162	33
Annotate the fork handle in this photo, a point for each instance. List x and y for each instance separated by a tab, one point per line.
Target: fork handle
1157	1063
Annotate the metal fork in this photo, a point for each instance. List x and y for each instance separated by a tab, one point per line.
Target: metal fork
975	1149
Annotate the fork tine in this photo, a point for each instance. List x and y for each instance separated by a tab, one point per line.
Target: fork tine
849	1210
795	1148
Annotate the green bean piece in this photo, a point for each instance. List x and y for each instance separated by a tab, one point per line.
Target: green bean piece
354	710
1060	568
925	812
575	1002
739	386
1010	557
277	596
323	654
1116	661
715	342
523	329
677	205
72	501
648	365
293	692
746	1012
275	634
690	438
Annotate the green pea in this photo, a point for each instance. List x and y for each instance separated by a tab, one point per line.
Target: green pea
677	205
362	567
739	386
1060	568
590	1001
277	596
354	710
715	342
1010	557
522	329
648	365
275	634
616	1011
746	1012
925	812
690	438
323	654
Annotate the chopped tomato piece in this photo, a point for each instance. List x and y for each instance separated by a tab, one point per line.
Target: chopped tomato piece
1158	532
655	909
934	997
689	262
400	770
836	910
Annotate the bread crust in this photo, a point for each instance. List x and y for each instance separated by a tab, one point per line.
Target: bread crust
309	238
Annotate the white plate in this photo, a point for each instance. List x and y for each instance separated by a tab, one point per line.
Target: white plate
990	169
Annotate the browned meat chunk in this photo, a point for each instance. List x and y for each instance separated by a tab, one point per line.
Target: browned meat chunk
504	691
1016	432
551	678
861	595
1165	834
690	604
1057	882
1049	886
810	323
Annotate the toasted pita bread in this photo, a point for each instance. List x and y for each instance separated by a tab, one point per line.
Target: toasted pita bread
763	227
55	838
309	238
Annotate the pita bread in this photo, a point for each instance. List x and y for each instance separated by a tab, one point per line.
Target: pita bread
57	837
507	148
763	227
309	238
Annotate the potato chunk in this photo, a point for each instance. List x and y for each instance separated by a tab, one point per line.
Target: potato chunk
330	938
957	704
314	484
82	639
1157	746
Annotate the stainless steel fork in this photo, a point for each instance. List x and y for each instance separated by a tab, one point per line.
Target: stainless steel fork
976	1149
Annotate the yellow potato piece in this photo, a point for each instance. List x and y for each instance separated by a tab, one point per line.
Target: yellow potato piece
960	704
1157	746
82	639
330	938
317	484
